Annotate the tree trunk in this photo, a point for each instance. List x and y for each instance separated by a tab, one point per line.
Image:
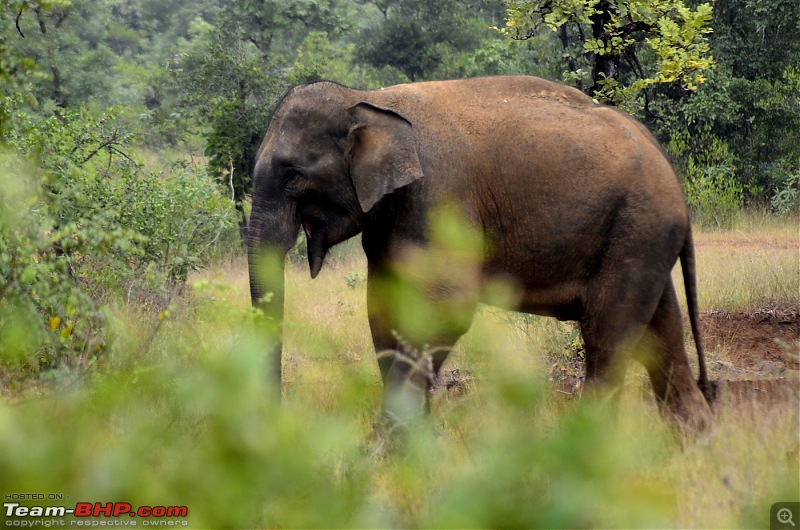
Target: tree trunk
50	47
603	66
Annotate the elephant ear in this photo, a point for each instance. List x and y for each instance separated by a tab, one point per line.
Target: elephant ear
381	152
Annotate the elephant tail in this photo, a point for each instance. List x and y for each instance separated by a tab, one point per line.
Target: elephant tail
690	285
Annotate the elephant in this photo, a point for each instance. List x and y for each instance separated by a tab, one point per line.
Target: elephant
573	202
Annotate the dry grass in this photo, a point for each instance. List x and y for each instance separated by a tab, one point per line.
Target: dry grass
749	461
755	265
181	411
726	479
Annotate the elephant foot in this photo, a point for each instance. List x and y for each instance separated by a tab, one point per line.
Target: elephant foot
404	405
393	435
689	412
710	390
408	381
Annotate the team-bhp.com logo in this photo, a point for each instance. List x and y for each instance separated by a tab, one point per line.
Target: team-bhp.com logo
87	514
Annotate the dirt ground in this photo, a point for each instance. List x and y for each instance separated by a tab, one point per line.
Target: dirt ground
755	345
753	356
749	242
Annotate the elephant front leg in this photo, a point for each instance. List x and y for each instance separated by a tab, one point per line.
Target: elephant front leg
407	371
383	336
407	390
415	321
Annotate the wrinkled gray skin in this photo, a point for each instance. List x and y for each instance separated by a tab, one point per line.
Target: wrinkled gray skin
574	203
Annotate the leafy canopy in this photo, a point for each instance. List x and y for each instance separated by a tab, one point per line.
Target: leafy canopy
606	42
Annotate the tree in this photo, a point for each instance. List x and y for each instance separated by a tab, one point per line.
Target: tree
44	17
759	47
224	82
415	36
751	101
605	42
230	75
757	39
263	23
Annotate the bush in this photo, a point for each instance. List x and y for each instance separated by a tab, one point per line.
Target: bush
785	180
715	195
708	174
192	421
80	223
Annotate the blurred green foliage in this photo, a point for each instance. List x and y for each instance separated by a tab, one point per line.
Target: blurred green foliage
190	420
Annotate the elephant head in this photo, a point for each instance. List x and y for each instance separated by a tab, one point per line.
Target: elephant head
326	161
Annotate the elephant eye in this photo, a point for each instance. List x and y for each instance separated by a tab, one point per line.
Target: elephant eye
292	179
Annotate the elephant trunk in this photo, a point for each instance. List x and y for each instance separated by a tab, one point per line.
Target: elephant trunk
269	240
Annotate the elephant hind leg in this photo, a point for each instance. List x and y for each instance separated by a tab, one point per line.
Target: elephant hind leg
604	341
616	314
663	354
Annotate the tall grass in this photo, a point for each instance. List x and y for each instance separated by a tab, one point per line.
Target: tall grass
182	413
755	264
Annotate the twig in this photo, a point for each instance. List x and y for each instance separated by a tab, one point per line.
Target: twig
131	160
17	24
233	193
197	227
108	167
647	109
221	226
111	141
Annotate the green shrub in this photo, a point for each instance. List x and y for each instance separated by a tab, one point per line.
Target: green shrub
80	224
189	419
708	171
715	195
786	188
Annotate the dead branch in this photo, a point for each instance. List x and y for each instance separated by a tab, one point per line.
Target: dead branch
16	23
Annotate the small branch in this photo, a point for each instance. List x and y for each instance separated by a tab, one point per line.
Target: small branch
197	227
233	193
647	107
128	158
111	141
527	35
216	237
633	27
183	227
149	341
17	24
633	61
108	167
